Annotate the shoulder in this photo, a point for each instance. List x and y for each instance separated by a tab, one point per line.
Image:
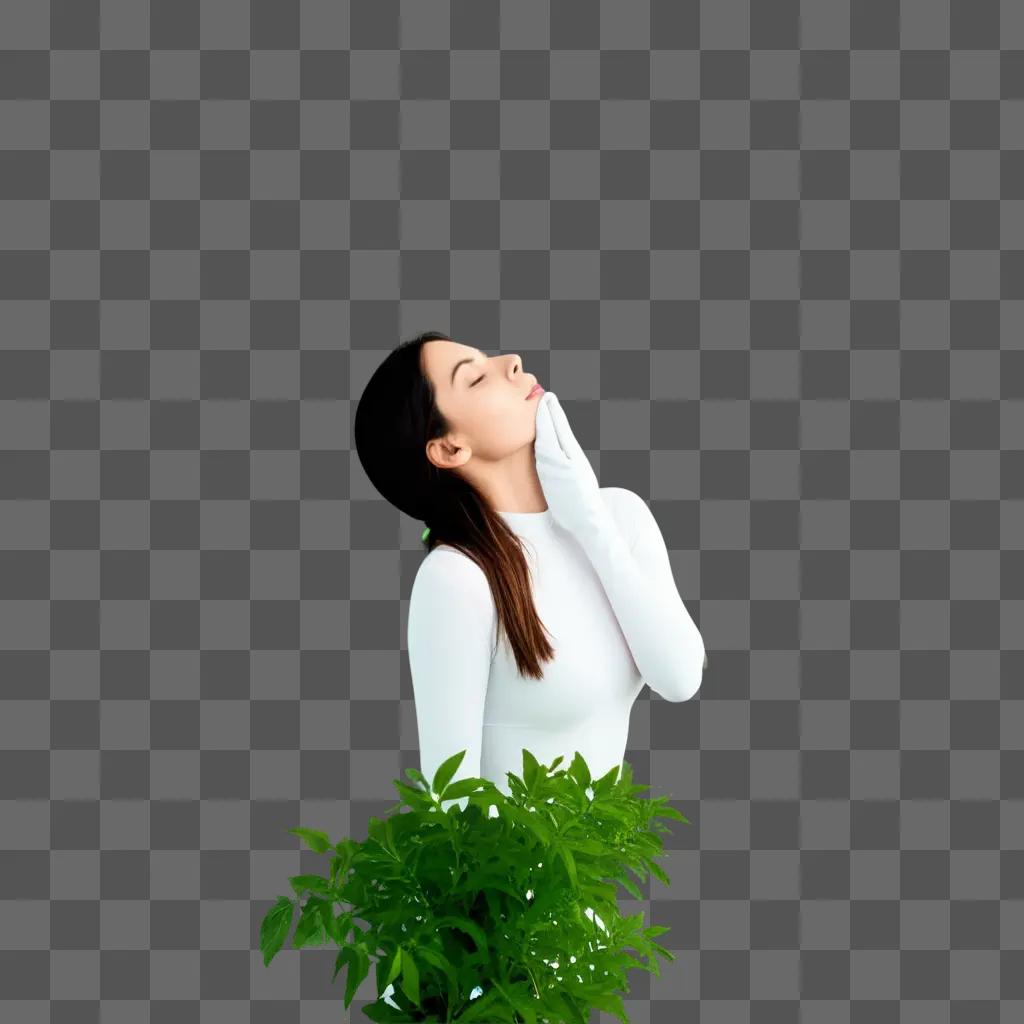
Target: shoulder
450	590
447	572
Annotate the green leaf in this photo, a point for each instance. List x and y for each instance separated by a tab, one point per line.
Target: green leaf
315	883
414	797
410	977
659	873
467	926
345	956
274	929
417	776
570	864
317	841
396	966
445	771
666	953
610	1003
566	1008
530	820
389	840
337	926
579	771
630	886
489	883
358	968
588	846
442	963
337	866
311	929
461	788
515	998
530	770
668	811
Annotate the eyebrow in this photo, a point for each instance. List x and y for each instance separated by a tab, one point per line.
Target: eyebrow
468	359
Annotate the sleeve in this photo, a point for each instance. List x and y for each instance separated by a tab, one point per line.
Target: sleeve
636	573
451	635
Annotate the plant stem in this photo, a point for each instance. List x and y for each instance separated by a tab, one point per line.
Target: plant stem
530	973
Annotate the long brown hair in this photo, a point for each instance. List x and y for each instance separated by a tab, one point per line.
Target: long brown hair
396	416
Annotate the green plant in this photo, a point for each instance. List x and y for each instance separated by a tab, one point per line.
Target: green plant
476	917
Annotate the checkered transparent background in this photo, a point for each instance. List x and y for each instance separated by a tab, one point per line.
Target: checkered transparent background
770	256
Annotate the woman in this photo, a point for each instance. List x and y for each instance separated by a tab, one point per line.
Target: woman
523	544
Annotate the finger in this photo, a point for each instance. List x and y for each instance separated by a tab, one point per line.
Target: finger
551	443
546	439
566	437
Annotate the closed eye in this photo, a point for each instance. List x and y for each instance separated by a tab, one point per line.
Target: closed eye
477	381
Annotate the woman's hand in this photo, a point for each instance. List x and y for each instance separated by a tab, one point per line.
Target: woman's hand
566	476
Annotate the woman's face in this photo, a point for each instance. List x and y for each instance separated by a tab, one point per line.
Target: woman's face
484	400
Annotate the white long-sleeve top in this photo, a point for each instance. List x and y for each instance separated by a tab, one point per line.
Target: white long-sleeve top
615	619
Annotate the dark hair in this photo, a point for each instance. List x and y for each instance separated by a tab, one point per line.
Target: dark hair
396	416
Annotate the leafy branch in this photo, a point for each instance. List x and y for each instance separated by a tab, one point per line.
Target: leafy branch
481	918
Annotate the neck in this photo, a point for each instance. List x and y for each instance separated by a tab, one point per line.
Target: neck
512	485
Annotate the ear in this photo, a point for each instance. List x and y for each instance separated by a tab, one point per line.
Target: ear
444	455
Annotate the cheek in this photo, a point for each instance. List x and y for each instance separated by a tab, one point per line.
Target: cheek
502	425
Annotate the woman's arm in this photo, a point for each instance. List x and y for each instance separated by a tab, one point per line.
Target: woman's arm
636	573
451	636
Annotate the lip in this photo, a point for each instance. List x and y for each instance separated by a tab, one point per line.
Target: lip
534	391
